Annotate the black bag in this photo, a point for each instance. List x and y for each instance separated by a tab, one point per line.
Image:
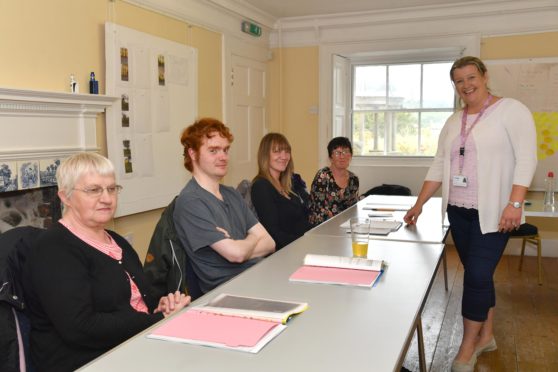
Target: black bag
386	189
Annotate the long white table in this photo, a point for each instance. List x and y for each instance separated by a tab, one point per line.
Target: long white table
345	328
430	227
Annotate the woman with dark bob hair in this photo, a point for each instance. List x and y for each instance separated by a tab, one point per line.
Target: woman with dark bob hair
84	285
279	208
334	188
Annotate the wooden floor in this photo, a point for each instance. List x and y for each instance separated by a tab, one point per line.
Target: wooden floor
526	319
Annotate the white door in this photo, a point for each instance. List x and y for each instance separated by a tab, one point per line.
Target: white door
246	116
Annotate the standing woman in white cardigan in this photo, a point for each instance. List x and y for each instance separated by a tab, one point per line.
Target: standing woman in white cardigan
485	161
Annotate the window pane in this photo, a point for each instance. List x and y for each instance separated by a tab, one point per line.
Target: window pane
431	125
405	130
437	88
404	86
368	133
369	87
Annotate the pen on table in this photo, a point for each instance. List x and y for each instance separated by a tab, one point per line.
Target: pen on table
388	209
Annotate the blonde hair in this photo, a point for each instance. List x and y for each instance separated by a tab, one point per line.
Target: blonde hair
468	61
77	165
275	141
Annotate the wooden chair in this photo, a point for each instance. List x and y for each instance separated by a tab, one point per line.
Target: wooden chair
530	234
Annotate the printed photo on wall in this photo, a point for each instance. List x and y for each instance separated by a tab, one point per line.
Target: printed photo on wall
124	76
127	156
47	171
125	107
28	174
125	120
161	69
8	176
125	102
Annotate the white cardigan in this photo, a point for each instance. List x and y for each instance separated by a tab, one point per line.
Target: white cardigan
506	142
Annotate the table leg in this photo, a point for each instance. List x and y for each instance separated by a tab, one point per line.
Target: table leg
420	340
445	263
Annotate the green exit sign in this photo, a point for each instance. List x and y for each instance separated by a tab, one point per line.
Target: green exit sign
251	28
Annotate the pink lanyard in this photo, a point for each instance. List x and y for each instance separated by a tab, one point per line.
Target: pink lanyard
465	133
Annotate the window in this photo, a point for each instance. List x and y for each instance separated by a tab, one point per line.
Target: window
400	109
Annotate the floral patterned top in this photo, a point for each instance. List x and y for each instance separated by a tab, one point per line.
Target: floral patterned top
326	198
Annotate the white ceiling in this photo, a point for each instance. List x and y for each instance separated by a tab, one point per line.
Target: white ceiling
296	8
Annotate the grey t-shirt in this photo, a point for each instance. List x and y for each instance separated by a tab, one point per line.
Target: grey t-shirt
196	216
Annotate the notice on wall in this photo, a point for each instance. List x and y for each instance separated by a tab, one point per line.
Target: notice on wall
143	128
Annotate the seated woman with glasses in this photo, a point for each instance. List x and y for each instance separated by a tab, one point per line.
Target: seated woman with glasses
334	188
280	209
84	285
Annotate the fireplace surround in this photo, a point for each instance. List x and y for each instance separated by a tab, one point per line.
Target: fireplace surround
38	129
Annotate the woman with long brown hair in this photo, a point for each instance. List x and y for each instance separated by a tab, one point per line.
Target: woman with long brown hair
279	208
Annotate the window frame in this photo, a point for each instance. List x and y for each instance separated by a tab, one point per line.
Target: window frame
388	62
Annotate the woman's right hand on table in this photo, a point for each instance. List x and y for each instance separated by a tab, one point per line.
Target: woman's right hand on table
412	215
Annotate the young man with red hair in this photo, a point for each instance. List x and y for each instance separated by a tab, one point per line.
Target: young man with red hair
222	237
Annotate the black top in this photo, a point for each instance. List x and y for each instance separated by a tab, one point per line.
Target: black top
285	219
79	299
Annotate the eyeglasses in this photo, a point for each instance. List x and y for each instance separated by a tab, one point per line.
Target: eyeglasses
97	191
339	153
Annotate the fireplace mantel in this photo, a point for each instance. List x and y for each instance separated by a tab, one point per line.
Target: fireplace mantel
40	124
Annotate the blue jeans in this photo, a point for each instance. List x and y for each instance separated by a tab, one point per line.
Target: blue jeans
479	254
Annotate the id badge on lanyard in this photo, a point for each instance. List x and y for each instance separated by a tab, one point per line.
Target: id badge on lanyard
460	180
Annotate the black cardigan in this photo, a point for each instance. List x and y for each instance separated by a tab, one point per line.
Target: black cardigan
79	299
285	219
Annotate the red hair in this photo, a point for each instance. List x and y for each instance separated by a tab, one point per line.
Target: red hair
192	137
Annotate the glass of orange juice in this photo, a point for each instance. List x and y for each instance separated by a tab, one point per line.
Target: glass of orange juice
360	230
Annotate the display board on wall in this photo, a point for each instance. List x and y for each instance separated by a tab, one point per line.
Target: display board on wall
156	80
535	83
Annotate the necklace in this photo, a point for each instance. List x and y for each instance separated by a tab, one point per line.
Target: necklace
465	132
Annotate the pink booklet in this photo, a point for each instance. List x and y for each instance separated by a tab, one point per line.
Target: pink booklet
196	326
335	275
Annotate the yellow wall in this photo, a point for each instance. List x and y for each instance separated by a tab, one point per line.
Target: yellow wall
520	46
293	91
210	91
43	42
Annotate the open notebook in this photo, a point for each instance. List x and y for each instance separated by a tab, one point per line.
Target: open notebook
230	322
340	270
